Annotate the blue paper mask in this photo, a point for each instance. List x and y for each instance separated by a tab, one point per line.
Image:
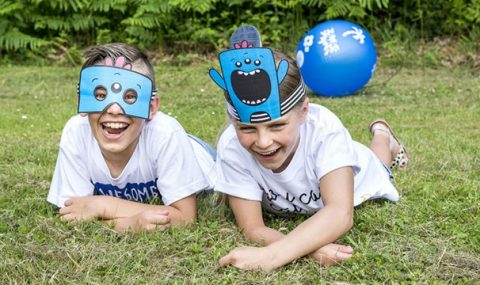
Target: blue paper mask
101	86
252	81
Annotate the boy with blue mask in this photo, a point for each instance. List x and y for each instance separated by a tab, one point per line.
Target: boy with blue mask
284	155
121	153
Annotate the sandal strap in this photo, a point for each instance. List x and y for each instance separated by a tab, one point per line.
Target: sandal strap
400	160
380	126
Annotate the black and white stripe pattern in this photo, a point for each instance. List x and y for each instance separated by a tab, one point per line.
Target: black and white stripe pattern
260	117
231	110
296	95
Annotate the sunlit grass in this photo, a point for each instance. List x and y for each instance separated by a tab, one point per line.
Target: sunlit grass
431	234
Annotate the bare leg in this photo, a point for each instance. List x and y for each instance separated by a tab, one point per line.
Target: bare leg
380	145
386	146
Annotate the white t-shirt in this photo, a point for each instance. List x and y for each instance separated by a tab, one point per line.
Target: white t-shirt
325	145
166	163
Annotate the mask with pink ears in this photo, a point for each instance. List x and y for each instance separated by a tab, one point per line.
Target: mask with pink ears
114	83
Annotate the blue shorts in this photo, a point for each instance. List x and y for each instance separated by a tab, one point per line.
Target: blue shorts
389	172
211	150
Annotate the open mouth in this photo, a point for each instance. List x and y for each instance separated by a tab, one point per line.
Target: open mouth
268	154
114	128
252	88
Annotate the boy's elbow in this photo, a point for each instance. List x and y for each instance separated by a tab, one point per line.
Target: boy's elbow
344	220
190	220
348	221
349	225
186	219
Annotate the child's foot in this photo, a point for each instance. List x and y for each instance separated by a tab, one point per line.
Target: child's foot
397	149
245	35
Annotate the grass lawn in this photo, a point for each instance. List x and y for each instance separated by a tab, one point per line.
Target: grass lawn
432	235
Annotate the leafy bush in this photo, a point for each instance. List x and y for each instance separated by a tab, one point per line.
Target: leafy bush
56	29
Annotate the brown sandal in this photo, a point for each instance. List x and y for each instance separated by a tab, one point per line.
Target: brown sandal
401	159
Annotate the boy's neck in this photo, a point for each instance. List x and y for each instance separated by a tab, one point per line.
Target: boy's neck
116	162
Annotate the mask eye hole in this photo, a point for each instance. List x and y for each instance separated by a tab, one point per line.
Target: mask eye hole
100	93
238	64
130	96
257	62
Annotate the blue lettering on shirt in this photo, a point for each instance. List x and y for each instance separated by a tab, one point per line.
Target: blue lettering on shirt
139	192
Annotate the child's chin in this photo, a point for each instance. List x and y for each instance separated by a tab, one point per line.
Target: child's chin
112	148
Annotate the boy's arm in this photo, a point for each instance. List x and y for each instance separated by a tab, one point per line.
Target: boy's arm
248	215
148	220
310	237
111	208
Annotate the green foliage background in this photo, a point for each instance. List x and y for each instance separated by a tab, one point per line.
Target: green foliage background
59	29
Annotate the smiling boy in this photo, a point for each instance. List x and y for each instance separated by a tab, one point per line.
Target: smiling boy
121	153
284	155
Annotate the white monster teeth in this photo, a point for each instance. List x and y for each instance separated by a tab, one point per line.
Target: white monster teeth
253	102
239	72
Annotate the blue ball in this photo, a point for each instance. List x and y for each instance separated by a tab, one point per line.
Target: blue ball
336	58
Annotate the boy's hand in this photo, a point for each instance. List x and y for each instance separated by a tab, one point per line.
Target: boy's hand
249	258
81	209
148	220
331	254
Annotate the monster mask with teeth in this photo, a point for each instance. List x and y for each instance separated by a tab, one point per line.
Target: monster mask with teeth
252	81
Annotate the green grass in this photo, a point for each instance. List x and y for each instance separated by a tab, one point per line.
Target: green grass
432	235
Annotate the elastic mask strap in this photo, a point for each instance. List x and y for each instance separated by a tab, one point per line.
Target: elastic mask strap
293	99
231	110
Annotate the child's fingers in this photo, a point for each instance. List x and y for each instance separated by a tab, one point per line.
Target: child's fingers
226	260
155	227
64	211
164	212
68	202
342	255
332	254
156	212
160	220
345	249
67	217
